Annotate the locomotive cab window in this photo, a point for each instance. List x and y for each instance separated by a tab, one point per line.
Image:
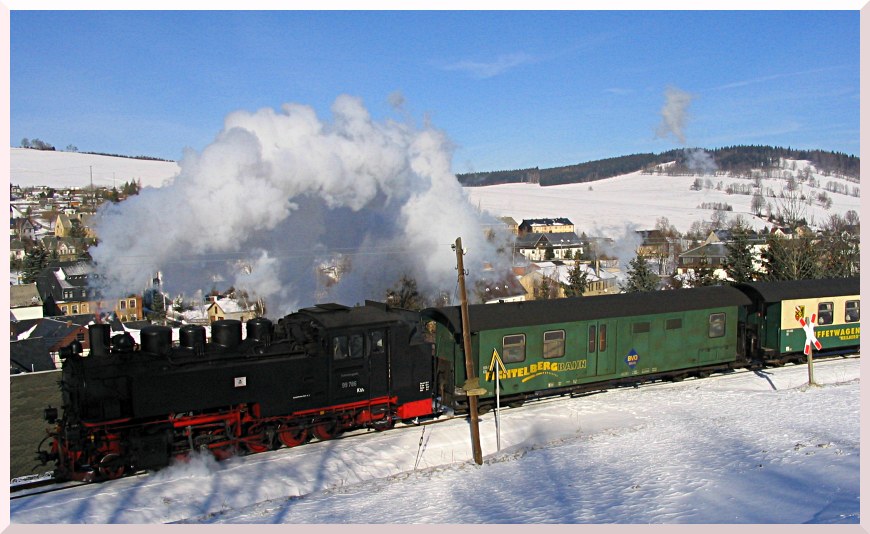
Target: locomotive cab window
826	313
376	342
717	325
355	346
339	347
514	348
853	311
344	347
554	344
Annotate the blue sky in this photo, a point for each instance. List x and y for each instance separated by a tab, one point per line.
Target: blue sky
511	89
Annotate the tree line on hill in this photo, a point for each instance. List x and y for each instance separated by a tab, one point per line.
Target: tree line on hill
733	159
39	144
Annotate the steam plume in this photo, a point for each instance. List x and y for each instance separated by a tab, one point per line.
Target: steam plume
279	194
674	113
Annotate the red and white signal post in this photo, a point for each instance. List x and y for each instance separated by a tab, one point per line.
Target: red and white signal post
809	326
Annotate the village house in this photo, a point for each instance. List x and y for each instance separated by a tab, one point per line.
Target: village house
511	224
25	302
36	344
64	290
62	225
23	228
227	308
599	281
545	226
549	246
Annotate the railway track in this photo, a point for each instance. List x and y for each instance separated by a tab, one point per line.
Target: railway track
42	484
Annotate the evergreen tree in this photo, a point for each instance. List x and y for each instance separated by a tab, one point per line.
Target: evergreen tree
738	264
640	276
578	280
35	261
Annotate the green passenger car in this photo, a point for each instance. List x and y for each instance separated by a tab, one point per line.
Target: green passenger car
773	320
570	345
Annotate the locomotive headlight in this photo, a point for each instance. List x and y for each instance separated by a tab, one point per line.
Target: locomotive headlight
50	415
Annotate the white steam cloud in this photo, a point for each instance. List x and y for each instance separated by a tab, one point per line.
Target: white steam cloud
675	114
278	194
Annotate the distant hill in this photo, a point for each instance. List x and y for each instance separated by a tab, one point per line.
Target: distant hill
734	160
55	168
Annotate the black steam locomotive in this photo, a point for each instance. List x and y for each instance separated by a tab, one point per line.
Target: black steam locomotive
316	373
328	369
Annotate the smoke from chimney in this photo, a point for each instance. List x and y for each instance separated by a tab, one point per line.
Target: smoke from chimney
279	194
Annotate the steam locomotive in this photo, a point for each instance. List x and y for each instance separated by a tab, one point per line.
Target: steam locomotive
328	369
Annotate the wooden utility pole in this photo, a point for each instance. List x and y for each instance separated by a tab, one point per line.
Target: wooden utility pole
472	388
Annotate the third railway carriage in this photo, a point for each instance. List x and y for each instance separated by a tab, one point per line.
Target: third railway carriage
774	332
576	344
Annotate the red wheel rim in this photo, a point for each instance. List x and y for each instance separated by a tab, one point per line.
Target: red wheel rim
292	435
256	440
110	466
326	430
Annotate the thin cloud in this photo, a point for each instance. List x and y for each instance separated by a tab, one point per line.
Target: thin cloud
489	69
762	79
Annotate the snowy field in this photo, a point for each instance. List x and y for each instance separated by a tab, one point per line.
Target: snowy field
602	208
746	447
56	169
636	201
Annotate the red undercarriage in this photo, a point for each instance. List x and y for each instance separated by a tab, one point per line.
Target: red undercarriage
102	450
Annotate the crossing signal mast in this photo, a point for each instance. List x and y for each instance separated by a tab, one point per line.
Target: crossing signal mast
812	341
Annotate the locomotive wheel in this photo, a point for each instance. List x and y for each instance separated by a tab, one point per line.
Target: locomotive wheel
110	466
292	435
257	440
326	430
223	452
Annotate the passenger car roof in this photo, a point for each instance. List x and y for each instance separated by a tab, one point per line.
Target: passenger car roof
794	289
538	312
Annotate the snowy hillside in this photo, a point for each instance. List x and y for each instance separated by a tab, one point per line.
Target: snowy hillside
72	169
745	447
604	207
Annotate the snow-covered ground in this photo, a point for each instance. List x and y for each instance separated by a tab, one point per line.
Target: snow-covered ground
602	208
606	207
30	167
745	447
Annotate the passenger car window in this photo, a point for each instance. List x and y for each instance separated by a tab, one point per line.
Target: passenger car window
592	338
717	325
640	328
554	344
853	311
602	338
514	348
826	313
